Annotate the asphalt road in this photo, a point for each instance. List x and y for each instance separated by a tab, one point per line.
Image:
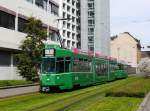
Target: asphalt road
18	91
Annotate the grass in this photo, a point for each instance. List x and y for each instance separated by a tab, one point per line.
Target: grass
5	83
115	104
87	99
138	88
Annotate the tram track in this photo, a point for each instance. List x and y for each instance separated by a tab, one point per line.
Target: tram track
63	104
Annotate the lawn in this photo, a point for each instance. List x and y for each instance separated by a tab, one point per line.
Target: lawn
115	104
138	88
5	83
87	99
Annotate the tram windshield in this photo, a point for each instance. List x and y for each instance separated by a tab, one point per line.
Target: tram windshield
48	66
56	65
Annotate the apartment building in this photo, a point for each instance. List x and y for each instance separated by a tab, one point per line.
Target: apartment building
69	28
13	16
95	26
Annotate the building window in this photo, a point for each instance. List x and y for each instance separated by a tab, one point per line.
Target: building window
68	1
31	1
68	25
90	6
73	11
73	3
53	36
39	3
91	14
68	8
7	20
68	16
73	44
91	39
73	19
73	35
64	33
64	15
5	59
68	34
68	44
54	9
21	24
91	22
64	24
64	6
91	47
90	31
73	27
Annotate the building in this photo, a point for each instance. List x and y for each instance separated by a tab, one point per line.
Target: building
145	50
127	48
95	25
145	54
69	28
13	16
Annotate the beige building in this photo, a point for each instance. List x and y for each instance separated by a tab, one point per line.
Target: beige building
126	48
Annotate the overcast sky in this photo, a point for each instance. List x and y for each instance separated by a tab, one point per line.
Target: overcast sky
131	16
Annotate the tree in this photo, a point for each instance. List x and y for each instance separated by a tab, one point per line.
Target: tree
144	67
29	60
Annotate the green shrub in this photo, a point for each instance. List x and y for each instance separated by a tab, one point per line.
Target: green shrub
125	94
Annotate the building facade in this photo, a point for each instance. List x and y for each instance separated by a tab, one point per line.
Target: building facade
13	16
95	26
69	28
126	48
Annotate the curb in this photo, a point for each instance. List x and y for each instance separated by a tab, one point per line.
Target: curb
18	86
144	103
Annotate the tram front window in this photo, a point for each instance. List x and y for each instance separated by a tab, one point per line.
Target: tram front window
55	66
49	66
60	65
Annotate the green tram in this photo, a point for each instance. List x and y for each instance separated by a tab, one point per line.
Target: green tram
65	69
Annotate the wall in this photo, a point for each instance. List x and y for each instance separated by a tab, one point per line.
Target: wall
124	47
84	25
102	26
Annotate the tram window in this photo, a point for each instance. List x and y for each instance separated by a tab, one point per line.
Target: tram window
120	67
85	60
102	68
67	64
60	65
81	65
48	66
80	59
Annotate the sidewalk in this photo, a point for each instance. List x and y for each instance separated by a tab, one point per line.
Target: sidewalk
145	106
18	91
